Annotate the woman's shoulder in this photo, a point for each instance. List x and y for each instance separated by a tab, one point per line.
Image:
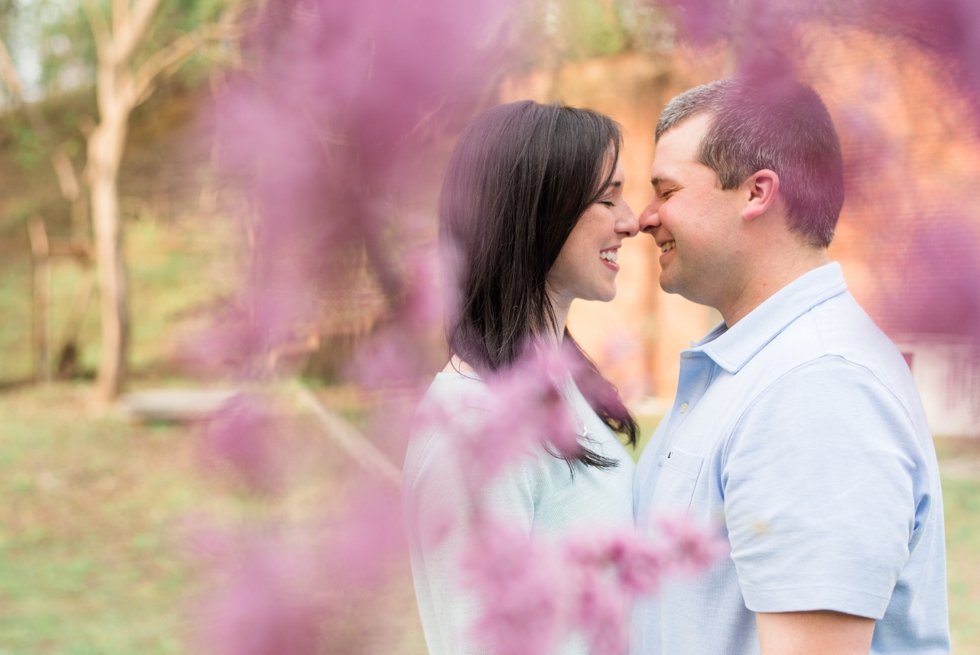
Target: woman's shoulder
458	388
453	417
453	402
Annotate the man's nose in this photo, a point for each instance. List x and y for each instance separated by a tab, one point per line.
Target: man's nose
649	217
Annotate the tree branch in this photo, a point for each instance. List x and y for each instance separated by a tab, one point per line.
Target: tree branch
168	59
100	29
120	17
136	28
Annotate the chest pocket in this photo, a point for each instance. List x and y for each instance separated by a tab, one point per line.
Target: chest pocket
675	487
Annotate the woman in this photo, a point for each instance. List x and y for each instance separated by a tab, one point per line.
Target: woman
532	211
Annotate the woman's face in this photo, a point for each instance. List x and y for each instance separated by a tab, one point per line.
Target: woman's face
586	266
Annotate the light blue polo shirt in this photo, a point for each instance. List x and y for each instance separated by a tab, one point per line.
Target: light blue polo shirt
800	431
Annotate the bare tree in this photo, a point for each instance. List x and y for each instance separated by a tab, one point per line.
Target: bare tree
122	40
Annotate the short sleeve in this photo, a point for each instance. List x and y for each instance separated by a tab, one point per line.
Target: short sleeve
821	489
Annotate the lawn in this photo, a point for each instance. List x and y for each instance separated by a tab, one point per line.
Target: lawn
961	498
95	554
88	557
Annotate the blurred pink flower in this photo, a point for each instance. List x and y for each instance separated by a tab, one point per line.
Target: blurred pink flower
525	409
431	289
521	583
264	602
537	591
691	546
240	436
359	548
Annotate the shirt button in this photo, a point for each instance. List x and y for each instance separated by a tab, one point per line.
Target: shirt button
684	407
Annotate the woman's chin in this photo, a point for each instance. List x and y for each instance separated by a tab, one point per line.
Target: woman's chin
607	295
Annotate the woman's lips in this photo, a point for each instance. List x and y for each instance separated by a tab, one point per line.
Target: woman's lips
609	257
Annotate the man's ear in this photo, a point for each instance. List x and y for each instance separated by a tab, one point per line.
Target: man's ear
761	188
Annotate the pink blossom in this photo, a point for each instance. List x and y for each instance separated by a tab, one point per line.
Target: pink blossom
264	602
358	549
692	546
525	409
601	608
431	293
391	359
241	436
584	584
521	584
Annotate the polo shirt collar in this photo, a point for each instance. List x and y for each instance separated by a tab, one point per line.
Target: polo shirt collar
732	348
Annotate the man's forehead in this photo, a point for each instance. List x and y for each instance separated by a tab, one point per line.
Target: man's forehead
678	147
696	123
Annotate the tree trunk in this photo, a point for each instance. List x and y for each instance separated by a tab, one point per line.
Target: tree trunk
105	147
41	254
119	89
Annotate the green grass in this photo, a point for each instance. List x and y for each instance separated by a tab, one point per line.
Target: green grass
92	557
961	497
88	559
648	423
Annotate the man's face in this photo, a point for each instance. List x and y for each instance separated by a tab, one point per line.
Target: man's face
695	223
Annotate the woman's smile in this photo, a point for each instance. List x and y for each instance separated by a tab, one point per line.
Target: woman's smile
602	227
609	257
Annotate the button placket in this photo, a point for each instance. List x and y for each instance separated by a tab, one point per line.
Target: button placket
693	380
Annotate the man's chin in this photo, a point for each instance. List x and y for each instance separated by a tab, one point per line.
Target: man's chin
677	287
669	284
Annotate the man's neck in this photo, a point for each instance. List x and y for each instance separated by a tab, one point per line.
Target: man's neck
768	277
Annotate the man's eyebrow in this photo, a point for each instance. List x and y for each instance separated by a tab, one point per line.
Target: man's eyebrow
661	181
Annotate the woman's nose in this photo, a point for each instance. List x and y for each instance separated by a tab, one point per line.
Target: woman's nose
626	222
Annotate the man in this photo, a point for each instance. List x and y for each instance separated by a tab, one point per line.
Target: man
796	421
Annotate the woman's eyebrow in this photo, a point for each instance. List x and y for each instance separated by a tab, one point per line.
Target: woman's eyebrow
612	184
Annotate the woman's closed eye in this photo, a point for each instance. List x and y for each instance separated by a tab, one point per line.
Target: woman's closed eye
608	203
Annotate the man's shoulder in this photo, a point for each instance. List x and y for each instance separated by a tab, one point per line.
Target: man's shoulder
849	336
835	353
838	332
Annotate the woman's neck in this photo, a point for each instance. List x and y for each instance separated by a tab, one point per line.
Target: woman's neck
457	365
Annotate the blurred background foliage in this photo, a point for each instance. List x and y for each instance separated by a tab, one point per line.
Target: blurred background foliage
91	559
